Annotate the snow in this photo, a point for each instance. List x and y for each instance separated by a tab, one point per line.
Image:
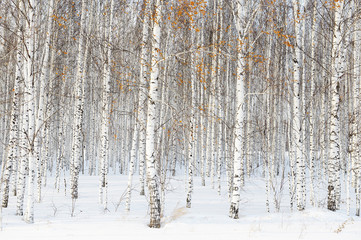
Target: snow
207	219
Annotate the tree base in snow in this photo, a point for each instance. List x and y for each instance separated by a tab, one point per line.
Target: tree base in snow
154	224
233	211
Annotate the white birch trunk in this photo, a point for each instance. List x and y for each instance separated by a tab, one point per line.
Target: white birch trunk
12	156
296	121
192	128
312	105
249	154
220	105
23	164
143	80
203	119
23	161
105	120
337	75
228	136
355	136
133	157
76	147
268	159
29	92
240	112
152	119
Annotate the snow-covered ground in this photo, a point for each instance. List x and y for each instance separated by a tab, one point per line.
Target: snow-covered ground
207	219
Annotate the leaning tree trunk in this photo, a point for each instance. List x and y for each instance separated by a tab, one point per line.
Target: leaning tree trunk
13	149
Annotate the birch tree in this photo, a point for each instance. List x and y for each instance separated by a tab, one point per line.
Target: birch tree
312	106
13	150
296	120
355	163
192	130
338	68
143	90
240	16
104	151
76	153
150	153
29	91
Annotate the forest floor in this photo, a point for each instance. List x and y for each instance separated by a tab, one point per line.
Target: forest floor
207	219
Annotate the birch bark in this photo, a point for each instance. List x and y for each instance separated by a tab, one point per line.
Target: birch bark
192	129
105	122
296	120
76	146
312	106
29	92
241	8
143	90
12	156
338	59
355	136
152	119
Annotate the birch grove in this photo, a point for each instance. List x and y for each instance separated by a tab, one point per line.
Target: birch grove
222	92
